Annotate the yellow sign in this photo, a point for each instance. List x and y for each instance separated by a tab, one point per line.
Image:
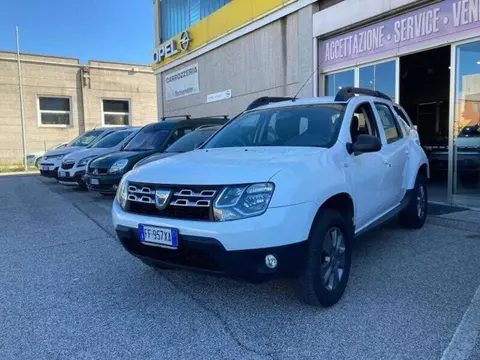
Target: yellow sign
232	16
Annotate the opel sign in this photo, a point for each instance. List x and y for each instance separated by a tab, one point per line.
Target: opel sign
169	48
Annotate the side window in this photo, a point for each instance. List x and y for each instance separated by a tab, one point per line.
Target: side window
390	125
403	118
363	122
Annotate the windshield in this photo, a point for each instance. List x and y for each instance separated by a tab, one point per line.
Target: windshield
312	125
112	140
189	141
149	138
470	131
86	138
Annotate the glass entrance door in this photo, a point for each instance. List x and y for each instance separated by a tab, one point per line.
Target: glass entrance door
466	125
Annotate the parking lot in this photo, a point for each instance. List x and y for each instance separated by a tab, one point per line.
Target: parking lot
68	290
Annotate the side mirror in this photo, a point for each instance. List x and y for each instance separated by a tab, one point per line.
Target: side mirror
364	144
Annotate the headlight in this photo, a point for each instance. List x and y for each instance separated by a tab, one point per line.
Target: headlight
122	193
85	161
57	157
243	201
118	166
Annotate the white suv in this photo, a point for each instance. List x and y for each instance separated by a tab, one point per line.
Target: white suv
281	190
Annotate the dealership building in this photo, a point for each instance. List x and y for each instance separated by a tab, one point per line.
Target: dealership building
215	56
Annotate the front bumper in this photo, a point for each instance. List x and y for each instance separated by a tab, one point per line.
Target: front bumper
234	248
49	168
72	177
107	184
208	255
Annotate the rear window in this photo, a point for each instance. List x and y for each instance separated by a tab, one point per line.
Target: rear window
149	138
86	138
112	140
190	140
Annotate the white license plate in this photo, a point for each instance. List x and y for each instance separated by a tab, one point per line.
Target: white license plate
62	174
45	168
94	182
158	236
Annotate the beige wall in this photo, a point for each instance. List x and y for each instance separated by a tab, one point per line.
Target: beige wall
275	60
62	76
264	62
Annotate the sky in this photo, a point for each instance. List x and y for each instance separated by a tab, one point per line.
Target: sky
107	30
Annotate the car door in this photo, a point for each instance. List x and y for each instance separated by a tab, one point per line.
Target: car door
366	171
395	153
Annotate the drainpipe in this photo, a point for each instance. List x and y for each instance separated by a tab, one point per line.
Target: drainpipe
84	80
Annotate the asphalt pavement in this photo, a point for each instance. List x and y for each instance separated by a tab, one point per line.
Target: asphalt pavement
68	290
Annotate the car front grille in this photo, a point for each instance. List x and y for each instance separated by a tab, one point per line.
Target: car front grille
68	165
173	201
98	171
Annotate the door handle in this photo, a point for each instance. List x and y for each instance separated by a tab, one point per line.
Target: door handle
407	152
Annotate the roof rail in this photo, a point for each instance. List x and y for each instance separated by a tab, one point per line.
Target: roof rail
265	100
349	92
213	117
187	117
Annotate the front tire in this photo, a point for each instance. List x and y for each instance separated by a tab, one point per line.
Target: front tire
325	277
415	214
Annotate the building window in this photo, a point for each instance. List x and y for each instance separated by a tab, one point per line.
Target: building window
335	82
178	15
116	112
54	111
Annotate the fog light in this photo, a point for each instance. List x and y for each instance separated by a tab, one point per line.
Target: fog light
271	261
115	187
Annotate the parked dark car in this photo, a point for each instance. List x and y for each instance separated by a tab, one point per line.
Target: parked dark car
187	143
105	172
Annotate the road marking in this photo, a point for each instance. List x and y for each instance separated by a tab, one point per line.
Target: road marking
466	334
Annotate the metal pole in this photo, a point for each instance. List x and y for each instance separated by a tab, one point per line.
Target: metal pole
20	90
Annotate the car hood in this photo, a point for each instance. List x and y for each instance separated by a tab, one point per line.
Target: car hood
154	157
222	166
106	161
62	151
84	153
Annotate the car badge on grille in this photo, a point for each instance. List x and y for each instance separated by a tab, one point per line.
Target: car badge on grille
95	171
161	198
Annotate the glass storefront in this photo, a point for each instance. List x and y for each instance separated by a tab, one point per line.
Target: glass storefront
334	82
379	76
466	124
464	154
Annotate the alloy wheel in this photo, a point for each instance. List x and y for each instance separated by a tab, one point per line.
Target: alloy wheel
332	262
421	201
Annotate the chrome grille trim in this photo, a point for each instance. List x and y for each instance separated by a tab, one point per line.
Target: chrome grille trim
140	190
185	202
142	199
190	193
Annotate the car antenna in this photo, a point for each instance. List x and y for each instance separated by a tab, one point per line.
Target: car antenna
305	83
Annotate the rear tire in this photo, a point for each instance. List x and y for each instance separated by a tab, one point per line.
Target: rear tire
415	214
325	277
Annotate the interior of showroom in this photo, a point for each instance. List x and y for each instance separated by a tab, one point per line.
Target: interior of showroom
426	59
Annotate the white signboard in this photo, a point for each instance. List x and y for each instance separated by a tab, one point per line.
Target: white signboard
182	83
222	95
